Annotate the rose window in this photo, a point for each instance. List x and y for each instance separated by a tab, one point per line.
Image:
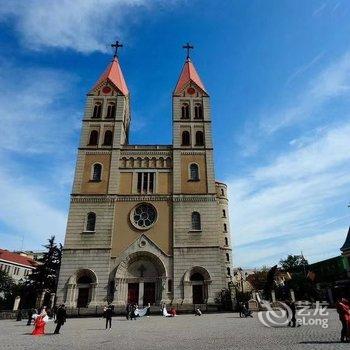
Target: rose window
143	216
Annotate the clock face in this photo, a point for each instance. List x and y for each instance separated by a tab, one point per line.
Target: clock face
191	90
106	89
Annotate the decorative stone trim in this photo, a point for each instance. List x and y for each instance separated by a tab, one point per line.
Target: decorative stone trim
194	198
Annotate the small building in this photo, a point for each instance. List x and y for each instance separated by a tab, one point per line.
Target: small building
17	266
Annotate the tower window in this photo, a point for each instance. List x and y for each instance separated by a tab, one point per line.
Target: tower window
185	138
198	111
97	172
225	228
185	111
228	271
145	182
108	139
223	213
93	141
222	192
227	257
196	221
226	241
111	111
199	138
97	110
194	172
91	222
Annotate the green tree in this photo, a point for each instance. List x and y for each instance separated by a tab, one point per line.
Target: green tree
45	276
294	263
7	285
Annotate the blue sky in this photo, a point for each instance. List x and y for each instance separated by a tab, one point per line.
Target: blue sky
278	73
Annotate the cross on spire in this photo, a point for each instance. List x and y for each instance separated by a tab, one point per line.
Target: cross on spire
116	46
188	47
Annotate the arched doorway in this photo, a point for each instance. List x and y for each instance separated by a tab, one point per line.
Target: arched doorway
196	282
140	279
81	288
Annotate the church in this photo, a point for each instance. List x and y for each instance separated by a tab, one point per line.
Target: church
146	223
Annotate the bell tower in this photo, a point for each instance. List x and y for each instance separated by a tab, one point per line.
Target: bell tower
195	208
105	131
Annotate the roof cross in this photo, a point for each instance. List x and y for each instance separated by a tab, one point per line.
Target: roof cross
116	46
188	47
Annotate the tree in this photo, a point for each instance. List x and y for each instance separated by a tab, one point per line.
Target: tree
258	279
45	276
294	263
6	290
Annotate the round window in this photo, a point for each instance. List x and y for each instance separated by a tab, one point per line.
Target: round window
143	216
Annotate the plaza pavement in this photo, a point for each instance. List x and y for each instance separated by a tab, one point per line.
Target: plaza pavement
211	331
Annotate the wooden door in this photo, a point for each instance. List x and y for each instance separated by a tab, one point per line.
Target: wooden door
149	295
83	297
133	293
197	290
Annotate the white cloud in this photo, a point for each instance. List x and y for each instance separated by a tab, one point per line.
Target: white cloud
81	25
287	205
36	122
24	210
34	116
332	82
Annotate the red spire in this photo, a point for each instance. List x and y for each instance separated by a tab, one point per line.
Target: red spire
114	74
188	75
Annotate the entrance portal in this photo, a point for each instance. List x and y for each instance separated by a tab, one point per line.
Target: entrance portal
140	279
133	293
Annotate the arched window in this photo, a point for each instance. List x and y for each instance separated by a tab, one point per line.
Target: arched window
199	138
93	141
108	139
194	172
97	110
111	111
197	277
222	192
225	228
185	138
227	257
90	221
198	111
223	213
185	111
196	221
226	241
97	172
228	271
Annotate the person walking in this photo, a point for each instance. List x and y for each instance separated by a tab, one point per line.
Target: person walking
108	315
128	311
343	309
31	312
61	316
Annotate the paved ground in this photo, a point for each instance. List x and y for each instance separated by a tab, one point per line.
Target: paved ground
212	331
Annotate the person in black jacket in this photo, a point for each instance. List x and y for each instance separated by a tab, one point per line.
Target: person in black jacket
61	316
108	315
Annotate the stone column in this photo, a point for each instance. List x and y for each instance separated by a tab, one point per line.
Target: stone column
292	295
273	296
52	299
188	298
141	293
93	301
16	303
70	299
210	297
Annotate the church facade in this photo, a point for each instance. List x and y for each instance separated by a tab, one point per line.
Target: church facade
146	224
